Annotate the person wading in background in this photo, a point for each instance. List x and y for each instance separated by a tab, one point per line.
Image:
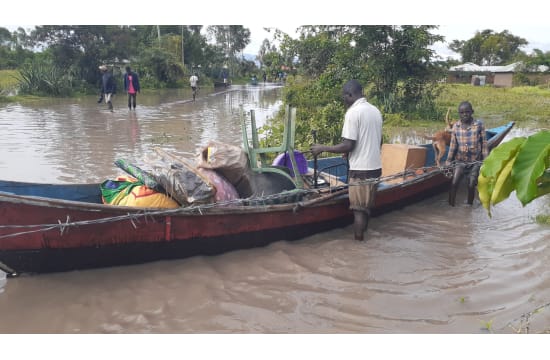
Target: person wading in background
131	86
194	81
108	86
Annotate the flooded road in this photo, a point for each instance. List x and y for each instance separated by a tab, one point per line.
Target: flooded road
66	140
428	268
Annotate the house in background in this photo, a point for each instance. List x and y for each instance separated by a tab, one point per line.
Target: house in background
498	76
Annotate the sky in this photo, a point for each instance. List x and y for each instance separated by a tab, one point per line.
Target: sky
538	36
457	20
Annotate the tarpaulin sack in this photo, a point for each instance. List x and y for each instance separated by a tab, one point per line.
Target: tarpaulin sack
231	161
225	191
181	180
145	177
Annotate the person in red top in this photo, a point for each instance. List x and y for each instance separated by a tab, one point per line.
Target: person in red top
467	150
131	86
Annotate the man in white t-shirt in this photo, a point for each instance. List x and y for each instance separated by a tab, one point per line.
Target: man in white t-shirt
361	140
193	81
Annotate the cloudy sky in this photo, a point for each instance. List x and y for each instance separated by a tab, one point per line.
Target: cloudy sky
457	20
538	36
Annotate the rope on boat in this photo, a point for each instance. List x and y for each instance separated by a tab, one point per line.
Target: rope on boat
446	170
62	228
297	194
134	217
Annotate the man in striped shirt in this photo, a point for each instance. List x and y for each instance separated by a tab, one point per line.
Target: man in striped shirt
467	150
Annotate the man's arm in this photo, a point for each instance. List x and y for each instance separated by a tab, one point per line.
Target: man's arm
345	146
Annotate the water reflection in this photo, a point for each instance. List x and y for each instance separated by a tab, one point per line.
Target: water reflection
77	139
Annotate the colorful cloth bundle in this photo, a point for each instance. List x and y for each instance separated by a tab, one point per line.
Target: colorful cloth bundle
128	191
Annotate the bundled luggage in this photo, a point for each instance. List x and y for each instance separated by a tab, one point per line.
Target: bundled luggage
129	191
221	173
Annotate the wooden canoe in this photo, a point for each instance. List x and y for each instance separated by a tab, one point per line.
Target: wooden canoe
61	227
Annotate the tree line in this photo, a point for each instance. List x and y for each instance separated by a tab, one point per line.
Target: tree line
401	73
162	54
397	62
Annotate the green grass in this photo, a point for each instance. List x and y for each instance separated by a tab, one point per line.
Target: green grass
7	79
522	104
543	219
8	84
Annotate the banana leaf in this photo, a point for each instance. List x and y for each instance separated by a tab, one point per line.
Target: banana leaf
495	183
530	171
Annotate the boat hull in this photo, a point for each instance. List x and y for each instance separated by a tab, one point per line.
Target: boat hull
145	239
61	227
138	238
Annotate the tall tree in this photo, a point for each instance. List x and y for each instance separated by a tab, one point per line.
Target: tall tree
396	59
394	63
264	49
84	47
14	48
538	57
232	39
5	37
23	39
316	51
489	48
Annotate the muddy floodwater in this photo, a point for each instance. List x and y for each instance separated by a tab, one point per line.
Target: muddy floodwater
427	268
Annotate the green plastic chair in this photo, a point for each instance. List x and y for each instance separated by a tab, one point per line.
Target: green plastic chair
257	154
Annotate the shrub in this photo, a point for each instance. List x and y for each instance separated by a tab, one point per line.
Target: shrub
45	78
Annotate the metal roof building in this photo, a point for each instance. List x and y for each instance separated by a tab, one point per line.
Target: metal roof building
499	76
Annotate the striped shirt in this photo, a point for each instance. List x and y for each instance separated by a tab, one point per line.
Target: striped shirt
468	142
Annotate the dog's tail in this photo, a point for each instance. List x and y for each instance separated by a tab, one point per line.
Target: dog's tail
448	119
427	137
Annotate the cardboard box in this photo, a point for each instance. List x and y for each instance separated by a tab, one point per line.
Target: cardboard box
397	158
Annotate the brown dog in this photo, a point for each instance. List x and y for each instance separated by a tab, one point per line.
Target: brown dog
441	139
